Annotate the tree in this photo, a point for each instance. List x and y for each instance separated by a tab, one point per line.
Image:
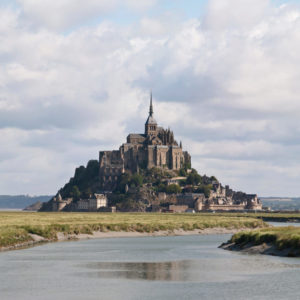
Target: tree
213	178
75	192
187	166
204	189
136	180
87	193
193	178
124	180
161	188
173	189
182	172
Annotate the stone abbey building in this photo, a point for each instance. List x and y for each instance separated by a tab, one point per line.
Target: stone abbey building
156	147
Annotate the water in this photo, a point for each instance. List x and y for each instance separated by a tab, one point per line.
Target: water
282	224
183	267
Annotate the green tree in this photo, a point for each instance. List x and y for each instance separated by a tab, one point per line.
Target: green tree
193	178
75	192
187	166
161	188
173	189
124	180
87	193
182	172
204	189
136	180
213	178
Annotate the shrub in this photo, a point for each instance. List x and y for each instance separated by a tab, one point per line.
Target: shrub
173	189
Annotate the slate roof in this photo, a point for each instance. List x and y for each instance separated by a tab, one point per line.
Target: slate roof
151	120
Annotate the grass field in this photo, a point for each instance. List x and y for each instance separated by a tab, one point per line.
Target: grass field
15	227
271	216
282	237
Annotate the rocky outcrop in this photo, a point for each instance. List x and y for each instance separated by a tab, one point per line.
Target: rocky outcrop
34	207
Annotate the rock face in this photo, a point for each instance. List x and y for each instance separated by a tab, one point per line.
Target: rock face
34	207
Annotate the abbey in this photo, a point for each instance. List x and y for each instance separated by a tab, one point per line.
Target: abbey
156	147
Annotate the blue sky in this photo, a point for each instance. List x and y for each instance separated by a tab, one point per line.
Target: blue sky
75	79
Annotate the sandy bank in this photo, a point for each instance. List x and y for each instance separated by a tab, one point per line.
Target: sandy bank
124	234
36	239
265	248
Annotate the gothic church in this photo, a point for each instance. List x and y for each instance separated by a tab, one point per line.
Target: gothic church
156	147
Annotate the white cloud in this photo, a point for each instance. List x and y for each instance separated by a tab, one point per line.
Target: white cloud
65	14
60	14
235	14
227	85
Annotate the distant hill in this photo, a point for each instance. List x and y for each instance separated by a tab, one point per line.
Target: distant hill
21	201
281	203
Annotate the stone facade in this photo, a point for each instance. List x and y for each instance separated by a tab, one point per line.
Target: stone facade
58	204
220	199
156	147
93	203
224	198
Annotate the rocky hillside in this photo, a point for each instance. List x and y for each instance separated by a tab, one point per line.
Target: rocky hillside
134	192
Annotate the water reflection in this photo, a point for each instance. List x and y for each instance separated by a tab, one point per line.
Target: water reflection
162	268
161	271
201	270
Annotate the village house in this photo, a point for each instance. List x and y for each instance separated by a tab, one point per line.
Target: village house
93	203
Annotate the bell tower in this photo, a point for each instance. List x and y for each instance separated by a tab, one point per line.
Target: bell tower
151	124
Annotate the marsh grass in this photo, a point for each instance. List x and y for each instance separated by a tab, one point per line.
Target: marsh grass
281	237
15	227
13	235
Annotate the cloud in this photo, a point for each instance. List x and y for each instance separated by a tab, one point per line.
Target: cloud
140	5
65	14
227	84
62	14
236	15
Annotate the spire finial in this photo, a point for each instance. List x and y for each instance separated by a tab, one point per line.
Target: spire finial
151	106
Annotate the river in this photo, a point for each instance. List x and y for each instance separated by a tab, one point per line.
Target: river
180	267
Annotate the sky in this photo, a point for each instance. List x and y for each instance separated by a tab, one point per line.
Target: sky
75	78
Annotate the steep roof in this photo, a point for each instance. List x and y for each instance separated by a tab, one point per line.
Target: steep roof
136	135
151	119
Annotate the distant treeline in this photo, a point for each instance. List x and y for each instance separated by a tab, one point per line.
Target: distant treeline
281	203
21	201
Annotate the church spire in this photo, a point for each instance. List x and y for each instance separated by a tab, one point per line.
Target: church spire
151	124
151	106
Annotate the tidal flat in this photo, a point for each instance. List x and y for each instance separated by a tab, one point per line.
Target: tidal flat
19	229
161	268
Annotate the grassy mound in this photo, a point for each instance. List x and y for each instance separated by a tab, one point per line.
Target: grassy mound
281	237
